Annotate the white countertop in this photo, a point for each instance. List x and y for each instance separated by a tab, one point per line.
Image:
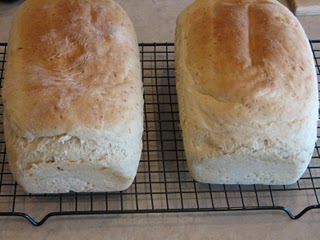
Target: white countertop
154	21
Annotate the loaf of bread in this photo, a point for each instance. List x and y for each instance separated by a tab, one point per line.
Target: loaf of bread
247	92
73	99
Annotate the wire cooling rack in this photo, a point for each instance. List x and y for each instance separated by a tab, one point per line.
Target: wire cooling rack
163	183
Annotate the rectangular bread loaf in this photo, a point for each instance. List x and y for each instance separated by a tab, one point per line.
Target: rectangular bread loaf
247	92
73	99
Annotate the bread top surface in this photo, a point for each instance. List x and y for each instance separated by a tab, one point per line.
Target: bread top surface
252	53
73	68
246	81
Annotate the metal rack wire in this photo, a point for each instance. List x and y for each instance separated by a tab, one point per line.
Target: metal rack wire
163	183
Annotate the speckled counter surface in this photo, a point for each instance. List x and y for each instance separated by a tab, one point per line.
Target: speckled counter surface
154	21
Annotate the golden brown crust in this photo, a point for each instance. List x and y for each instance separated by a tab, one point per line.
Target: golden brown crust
73	100
247	39
73	68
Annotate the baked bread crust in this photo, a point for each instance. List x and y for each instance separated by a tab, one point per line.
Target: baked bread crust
73	97
247	92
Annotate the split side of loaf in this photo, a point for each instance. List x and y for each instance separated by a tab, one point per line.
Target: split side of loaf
73	99
247	92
